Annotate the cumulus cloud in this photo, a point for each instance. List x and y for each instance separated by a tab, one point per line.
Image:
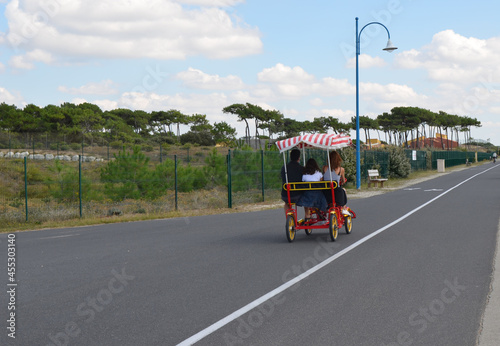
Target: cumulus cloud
190	104
451	57
341	114
217	3
286	81
366	61
105	87
210	105
282	74
27	61
159	29
11	99
332	86
197	79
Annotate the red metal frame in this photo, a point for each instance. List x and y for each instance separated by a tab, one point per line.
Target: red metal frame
318	217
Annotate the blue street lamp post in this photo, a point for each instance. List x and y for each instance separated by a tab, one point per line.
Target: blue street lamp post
389	48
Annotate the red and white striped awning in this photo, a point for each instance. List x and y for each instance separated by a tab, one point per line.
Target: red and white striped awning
318	140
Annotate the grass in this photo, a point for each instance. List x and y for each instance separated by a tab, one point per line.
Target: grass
204	202
45	214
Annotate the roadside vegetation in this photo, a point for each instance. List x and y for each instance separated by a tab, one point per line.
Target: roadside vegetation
151	167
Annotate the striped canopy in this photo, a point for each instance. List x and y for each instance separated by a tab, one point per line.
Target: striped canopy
318	140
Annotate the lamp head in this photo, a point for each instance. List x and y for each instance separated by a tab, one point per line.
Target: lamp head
389	48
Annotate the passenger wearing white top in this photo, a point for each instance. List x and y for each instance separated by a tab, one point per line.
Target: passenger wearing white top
312	199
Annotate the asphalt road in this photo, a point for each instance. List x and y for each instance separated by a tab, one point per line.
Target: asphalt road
416	270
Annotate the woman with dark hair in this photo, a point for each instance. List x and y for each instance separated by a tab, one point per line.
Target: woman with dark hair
312	199
336	174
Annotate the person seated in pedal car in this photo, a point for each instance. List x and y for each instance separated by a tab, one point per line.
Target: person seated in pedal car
313	198
294	171
336	174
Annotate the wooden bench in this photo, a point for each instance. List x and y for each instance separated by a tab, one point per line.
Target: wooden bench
374	177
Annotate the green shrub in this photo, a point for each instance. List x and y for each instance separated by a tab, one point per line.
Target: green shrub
188	178
116	145
349	163
128	176
215	170
63	184
200	138
76	146
147	147
399	164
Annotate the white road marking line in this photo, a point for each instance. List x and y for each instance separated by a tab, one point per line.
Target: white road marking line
238	313
60	236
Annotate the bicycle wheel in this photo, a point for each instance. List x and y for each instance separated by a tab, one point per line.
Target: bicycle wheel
290	228
333	226
348	224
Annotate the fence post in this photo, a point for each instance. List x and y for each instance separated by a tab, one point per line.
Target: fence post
262	168
80	182
229	190
175	179
26	188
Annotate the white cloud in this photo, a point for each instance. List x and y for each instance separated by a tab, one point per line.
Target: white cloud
316	102
366	61
189	104
21	62
159	29
105	87
341	114
294	83
281	74
105	105
197	79
451	57
209	104
210	3
331	86
285	81
27	61
11	99
382	98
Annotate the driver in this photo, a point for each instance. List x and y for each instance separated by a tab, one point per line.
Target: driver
294	171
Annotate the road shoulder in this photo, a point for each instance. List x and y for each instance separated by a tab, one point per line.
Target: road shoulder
490	327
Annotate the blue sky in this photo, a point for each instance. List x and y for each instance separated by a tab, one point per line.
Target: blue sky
199	56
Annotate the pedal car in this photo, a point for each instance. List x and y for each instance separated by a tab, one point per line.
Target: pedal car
336	216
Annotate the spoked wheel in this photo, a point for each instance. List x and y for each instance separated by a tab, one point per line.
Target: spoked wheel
290	228
348	224
308	231
333	226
